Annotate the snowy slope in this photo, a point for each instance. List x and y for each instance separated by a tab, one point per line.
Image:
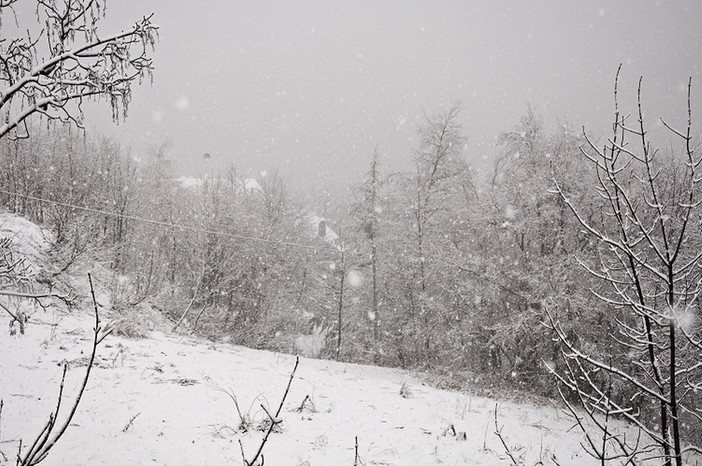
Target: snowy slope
162	400
173	386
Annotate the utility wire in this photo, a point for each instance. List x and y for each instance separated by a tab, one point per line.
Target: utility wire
158	222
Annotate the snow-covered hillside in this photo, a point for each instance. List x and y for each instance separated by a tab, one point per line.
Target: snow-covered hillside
168	400
160	400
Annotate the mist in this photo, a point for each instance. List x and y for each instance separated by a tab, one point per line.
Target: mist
311	88
496	204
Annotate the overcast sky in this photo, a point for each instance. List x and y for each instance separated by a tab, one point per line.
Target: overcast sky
311	87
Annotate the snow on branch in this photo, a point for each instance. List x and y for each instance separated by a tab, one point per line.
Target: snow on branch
73	65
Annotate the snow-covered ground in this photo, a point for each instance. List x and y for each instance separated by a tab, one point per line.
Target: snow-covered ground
163	400
174	386
26	238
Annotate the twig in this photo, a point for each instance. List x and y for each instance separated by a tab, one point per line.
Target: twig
305	400
44	441
450	429
487	426
243	455
18	294
355	459
275	420
16	318
131	422
4	458
287	389
498	432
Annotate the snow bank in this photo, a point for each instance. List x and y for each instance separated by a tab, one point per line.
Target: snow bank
27	239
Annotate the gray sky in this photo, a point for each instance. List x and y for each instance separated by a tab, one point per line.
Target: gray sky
311	87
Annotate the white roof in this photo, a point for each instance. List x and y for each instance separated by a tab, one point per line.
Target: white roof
189	182
250	184
330	235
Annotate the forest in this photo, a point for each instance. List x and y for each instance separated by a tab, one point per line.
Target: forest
570	267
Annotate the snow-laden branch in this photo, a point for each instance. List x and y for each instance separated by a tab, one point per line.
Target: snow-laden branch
73	69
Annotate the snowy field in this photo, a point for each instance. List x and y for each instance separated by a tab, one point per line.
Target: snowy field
160	401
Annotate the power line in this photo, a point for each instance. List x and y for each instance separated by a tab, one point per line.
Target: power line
158	222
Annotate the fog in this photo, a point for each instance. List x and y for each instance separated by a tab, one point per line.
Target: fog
311	88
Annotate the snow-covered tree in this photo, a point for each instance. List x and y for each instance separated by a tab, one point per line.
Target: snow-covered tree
367	210
523	256
646	366
53	59
425	221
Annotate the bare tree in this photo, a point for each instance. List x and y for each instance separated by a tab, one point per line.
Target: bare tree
647	369
53	71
